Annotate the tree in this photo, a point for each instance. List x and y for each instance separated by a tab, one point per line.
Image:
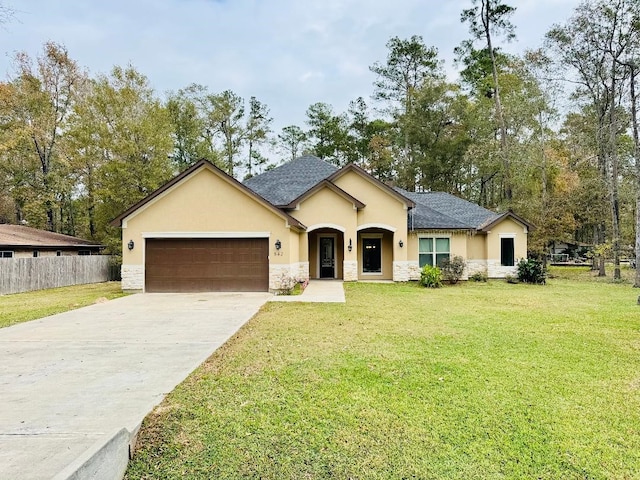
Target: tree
437	131
328	133
359	131
123	122
257	130
43	94
226	115
291	141
594	43
636	142
6	14
191	140
410	63
486	19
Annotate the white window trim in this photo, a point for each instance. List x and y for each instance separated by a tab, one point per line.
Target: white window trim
513	236
335	254
383	226
434	236
372	235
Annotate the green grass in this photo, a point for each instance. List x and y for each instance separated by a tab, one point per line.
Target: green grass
22	307
583	274
473	381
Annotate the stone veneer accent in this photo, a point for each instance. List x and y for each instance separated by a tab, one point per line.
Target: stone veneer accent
402	271
496	270
299	271
132	277
475	266
350	270
303	270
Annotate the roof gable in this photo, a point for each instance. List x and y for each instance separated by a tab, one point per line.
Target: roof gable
166	188
286	183
382	186
491	223
326	184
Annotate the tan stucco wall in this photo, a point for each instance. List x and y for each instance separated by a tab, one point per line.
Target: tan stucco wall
477	247
381	208
507	227
328	207
205	202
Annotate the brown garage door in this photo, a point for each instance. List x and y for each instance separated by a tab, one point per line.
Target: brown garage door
207	265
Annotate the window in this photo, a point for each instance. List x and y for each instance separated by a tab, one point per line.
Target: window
58	253
507	255
35	253
6	254
84	252
432	251
372	255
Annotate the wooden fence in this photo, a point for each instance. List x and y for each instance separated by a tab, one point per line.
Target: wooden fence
27	274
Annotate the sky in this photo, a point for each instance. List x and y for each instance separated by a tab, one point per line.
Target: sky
289	54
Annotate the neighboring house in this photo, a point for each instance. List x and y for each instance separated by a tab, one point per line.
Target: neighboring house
18	241
205	231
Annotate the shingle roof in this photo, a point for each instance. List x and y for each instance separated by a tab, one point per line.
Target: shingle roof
287	182
435	210
21	236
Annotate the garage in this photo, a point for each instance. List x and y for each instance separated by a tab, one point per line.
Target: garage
207	265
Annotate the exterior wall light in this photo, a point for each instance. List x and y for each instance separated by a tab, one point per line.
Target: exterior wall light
401	243
350	247
130	245
278	245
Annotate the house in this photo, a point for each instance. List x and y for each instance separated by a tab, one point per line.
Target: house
205	231
19	241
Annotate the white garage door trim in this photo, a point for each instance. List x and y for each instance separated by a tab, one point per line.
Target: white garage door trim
206	234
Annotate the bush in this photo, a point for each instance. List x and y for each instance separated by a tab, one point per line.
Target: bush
511	279
431	277
478	277
531	270
453	268
286	284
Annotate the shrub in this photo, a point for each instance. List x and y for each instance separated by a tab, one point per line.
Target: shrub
531	270
511	279
286	284
431	277
478	277
453	268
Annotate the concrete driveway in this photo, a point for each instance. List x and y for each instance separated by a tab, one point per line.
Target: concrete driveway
69	380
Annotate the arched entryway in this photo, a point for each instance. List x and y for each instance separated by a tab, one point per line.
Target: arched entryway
375	253
326	253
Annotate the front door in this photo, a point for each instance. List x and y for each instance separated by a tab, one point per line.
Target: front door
327	257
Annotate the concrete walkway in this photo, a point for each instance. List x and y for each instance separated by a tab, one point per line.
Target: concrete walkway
322	291
69	381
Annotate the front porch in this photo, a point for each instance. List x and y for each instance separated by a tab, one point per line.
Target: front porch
367	255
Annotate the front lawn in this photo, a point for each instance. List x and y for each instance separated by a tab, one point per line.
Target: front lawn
22	307
474	381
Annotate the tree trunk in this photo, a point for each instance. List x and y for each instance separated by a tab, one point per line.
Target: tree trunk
601	267
508	193
613	190
636	143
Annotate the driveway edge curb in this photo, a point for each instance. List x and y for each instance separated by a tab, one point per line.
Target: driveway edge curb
106	459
